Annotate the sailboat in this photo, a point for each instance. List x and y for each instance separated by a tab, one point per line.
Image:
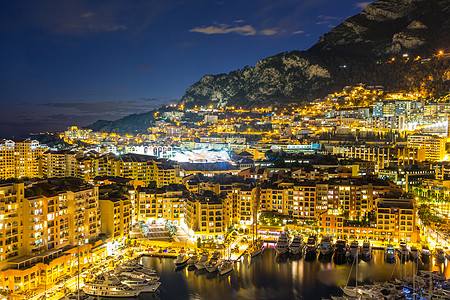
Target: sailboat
349	290
226	265
257	247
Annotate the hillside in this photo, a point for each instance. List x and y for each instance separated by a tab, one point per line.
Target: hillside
358	50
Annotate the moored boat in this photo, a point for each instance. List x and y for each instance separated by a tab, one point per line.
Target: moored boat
107	286
297	245
193	259
225	267
326	246
353	251
425	253
403	252
389	253
202	261
181	260
213	265
340	251
439	254
414	253
282	246
366	251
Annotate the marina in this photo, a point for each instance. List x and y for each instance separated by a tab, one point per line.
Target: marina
270	276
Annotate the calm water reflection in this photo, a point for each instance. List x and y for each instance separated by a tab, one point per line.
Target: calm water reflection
270	278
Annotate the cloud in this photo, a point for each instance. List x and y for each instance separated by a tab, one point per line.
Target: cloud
268	32
224	29
88	15
103	106
326	20
362	5
324	17
298	32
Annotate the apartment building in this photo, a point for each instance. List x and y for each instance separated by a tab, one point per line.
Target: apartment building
144	168
434	146
20	158
380	155
115	217
158	205
205	215
61	163
41	227
396	219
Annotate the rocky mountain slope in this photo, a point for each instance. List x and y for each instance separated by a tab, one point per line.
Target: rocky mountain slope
355	51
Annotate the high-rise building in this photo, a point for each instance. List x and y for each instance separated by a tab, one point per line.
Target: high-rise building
40	229
20	158
434	146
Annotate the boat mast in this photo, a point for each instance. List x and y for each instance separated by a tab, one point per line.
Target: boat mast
255	213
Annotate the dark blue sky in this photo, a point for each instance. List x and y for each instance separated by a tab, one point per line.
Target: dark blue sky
74	62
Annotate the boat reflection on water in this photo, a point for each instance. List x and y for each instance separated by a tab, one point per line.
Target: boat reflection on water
266	277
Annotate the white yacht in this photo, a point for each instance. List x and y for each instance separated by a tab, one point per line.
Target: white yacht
366	251
297	245
105	286
200	264
181	260
282	245
389	253
130	266
353	251
144	285
414	253
326	246
225	267
139	275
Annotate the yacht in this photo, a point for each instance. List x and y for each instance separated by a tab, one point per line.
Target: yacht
213	263
341	248
139	275
225	267
257	248
297	245
130	266
389	253
202	261
143	285
353	251
106	286
282	245
326	246
425	253
366	251
181	260
414	253
193	259
311	247
403	252
439	254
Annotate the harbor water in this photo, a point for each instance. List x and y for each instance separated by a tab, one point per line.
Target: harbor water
271	277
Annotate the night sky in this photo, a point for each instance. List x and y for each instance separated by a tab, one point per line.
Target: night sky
74	62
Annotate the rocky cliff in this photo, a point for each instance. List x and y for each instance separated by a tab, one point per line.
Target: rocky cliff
355	51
